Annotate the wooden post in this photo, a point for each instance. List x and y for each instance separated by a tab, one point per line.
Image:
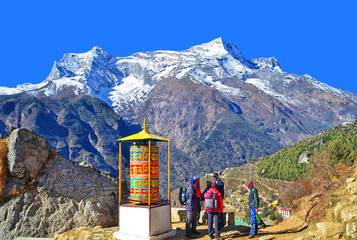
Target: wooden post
168	176
149	200
119	173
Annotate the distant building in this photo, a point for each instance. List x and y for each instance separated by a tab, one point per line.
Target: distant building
285	212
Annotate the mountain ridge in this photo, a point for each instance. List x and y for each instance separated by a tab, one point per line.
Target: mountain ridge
106	77
214	99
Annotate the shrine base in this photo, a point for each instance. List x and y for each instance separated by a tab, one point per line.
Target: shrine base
138	222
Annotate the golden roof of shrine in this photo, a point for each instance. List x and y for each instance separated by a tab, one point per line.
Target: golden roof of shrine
144	135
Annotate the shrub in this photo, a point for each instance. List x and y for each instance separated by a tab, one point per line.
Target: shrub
295	190
3	172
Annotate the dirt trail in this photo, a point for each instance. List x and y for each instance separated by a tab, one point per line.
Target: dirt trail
228	232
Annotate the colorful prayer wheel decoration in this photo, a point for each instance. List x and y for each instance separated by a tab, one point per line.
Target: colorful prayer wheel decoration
144	155
139	173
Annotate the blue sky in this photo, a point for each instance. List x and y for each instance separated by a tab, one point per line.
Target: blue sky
313	37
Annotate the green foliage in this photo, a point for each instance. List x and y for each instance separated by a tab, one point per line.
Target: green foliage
338	145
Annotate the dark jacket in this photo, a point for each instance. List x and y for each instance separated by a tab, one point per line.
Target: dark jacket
202	195
253	198
192	199
220	187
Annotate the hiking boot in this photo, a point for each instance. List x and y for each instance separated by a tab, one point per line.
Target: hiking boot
251	236
196	232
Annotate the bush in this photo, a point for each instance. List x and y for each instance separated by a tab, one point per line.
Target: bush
295	190
3	172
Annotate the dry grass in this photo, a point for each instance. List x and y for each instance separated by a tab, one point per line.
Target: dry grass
3	172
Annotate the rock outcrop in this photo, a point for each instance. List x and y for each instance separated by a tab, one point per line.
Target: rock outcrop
46	193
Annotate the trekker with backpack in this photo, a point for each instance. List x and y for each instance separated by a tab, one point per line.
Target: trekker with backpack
253	209
214	207
220	188
191	208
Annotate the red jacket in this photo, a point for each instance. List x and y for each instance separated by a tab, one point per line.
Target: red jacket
219	200
198	189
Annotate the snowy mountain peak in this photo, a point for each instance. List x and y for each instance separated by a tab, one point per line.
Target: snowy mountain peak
269	63
235	52
100	53
79	63
215	48
97	50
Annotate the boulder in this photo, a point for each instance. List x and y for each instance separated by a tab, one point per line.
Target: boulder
182	215
329	229
27	153
349	180
352	187
48	194
304	157
351	230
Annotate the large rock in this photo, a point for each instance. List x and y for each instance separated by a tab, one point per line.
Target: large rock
329	229
351	230
55	195
27	153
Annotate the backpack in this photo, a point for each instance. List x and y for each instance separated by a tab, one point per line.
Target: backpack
211	202
182	196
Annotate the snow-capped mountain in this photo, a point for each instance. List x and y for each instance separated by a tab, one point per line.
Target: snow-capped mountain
125	82
208	99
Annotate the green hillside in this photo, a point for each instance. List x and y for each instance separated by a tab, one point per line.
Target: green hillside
335	146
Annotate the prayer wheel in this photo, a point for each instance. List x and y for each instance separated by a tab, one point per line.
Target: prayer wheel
139	173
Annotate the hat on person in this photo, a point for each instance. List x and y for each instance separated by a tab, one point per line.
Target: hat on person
192	181
249	184
196	177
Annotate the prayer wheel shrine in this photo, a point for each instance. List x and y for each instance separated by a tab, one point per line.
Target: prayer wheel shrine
146	216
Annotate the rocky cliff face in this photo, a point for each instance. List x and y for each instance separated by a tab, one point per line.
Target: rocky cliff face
46	193
82	128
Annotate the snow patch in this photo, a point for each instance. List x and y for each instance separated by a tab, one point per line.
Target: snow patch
129	96
264	85
227	90
26	87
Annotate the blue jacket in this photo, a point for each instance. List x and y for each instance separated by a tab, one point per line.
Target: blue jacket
253	198
192	199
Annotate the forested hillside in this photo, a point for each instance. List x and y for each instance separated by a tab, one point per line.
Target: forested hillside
335	146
